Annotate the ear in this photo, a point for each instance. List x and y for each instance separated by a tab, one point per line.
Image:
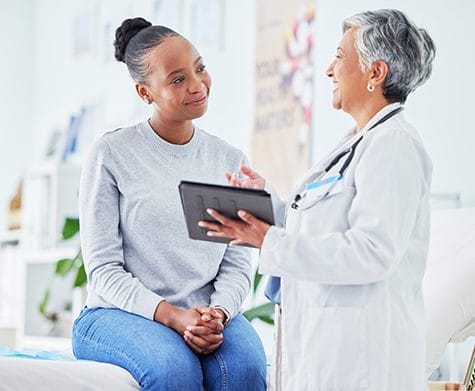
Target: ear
378	73
142	91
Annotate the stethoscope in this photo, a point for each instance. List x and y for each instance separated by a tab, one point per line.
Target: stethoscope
350	151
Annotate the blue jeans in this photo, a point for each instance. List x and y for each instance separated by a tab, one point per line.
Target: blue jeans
158	357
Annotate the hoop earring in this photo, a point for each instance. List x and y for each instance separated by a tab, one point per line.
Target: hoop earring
370	87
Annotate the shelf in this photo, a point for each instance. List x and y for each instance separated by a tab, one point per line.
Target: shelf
10	238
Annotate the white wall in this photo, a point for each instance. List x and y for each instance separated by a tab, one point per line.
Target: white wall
16	144
440	109
43	83
46	83
64	82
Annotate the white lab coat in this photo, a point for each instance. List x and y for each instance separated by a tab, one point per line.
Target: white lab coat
352	266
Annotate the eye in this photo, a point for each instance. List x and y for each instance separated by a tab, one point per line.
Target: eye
202	68
178	80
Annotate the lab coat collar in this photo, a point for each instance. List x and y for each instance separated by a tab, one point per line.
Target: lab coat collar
349	138
380	114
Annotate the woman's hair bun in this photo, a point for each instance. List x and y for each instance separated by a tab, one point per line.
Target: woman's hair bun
125	32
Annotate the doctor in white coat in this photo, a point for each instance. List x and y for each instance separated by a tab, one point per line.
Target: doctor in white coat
352	247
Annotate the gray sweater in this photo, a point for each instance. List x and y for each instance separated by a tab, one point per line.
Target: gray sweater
133	235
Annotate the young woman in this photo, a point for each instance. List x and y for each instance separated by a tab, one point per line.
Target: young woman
161	305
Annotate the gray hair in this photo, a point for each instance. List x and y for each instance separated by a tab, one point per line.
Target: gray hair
389	36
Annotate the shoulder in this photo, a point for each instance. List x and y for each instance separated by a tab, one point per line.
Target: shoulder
396	132
117	139
112	142
394	140
218	147
121	136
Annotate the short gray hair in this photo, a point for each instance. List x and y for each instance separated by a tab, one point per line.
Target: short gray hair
389	36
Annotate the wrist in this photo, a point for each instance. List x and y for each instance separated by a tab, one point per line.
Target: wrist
165	313
225	312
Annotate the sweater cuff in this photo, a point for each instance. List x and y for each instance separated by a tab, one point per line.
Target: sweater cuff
146	303
226	301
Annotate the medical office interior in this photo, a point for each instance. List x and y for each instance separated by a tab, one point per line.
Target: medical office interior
61	88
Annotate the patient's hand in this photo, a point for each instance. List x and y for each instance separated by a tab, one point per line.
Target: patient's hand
206	337
252	179
207	328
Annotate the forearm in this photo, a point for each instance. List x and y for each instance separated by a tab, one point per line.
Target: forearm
233	281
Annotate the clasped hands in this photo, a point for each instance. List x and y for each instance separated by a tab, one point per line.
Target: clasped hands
205	332
201	327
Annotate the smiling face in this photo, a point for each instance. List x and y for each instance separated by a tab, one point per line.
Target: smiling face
178	82
349	81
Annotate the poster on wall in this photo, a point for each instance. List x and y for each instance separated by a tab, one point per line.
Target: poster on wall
281	140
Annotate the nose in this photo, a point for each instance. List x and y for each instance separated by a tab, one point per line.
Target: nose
329	71
196	84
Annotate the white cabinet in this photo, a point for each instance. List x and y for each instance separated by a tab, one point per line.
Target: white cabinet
50	194
28	259
35	331
9	287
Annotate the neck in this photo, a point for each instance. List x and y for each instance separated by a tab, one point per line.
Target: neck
174	132
368	111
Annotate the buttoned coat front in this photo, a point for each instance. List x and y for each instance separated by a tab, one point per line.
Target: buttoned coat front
351	256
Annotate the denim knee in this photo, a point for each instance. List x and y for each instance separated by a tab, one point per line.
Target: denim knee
175	375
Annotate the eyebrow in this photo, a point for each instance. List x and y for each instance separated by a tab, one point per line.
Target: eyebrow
182	69
340	49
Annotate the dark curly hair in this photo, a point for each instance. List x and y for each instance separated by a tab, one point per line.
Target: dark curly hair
133	40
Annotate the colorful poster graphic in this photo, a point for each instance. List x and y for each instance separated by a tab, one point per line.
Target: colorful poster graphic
281	140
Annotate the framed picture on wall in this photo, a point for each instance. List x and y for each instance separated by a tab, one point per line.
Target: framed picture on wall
169	13
207	24
83	34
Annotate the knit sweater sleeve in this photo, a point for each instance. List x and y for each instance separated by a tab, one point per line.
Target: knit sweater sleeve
233	281
101	239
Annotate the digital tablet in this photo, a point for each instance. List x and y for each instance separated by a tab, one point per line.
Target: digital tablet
196	197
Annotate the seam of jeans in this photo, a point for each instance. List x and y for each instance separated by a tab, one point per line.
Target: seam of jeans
223	369
108	349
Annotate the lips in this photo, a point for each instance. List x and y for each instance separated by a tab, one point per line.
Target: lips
335	86
198	102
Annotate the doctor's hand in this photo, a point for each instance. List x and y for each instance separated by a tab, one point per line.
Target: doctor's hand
248	230
253	180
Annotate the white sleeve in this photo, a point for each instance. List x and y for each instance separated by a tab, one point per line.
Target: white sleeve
278	205
388	179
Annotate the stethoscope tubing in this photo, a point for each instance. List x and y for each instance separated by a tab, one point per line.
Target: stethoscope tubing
348	151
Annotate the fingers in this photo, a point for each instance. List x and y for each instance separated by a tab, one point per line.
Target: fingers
233	180
210	335
220	218
206	313
200	345
249	172
210	225
213	320
217	230
247	217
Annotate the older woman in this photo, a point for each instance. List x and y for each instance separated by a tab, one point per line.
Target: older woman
352	250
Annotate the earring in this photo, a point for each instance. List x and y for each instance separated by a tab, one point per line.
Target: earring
370	87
